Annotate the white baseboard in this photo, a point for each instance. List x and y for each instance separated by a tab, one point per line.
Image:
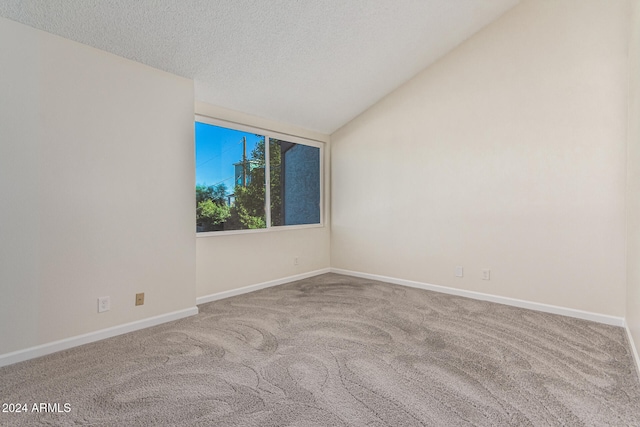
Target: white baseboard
52	347
634	349
585	315
226	294
44	349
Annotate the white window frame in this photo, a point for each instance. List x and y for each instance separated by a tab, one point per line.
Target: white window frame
268	134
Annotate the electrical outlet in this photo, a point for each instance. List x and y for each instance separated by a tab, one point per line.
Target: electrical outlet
486	274
140	299
104	304
295	260
458	271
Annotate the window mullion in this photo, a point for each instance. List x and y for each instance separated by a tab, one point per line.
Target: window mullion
267	181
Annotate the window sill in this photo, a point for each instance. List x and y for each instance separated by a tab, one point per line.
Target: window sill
258	230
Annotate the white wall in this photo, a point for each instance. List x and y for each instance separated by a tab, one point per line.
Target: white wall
633	183
96	189
508	154
232	261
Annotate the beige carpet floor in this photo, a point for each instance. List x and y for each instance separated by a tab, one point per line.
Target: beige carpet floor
339	351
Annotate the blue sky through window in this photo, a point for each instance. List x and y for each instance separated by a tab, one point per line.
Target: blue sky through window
217	149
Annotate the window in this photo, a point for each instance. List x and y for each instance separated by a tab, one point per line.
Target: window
247	179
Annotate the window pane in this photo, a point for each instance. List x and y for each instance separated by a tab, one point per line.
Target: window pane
295	183
230	184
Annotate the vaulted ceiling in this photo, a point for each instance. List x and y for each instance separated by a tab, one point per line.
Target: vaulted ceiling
312	63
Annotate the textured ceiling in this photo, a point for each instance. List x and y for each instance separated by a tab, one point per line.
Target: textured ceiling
311	63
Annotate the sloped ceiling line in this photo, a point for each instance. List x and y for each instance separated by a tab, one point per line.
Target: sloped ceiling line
313	64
